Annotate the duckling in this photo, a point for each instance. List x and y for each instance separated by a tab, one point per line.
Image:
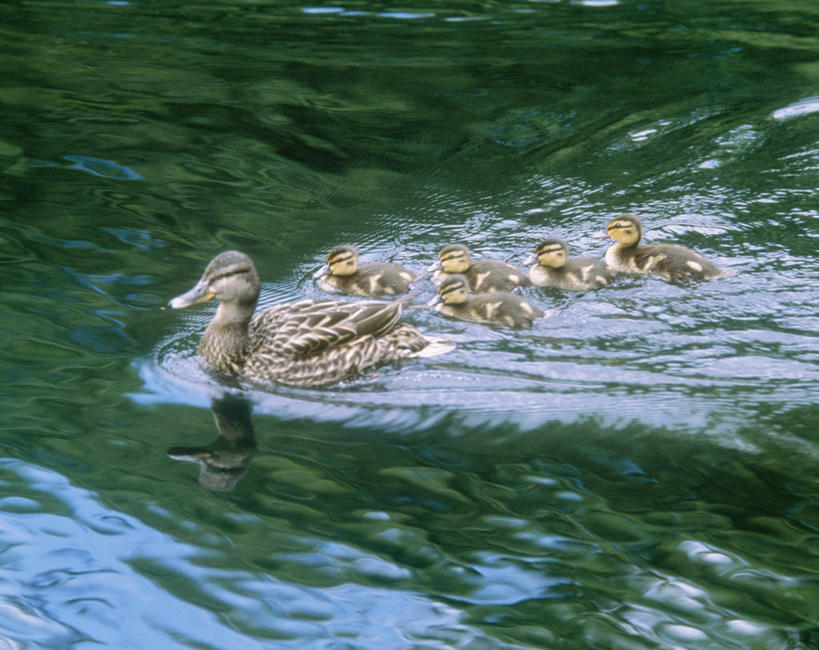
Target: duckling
304	343
553	269
343	273
499	307
673	262
483	275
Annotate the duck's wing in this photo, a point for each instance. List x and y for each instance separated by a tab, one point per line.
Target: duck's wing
309	327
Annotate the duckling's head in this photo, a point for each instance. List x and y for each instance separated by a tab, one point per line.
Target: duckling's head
625	229
454	258
454	290
551	253
342	260
230	277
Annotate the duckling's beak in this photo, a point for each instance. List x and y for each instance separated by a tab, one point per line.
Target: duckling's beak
196	295
436	300
530	260
324	270
435	266
601	234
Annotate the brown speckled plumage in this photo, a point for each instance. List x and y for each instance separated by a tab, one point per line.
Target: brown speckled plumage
304	343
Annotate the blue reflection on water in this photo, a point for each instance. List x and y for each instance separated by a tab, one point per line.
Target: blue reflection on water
100	167
96	166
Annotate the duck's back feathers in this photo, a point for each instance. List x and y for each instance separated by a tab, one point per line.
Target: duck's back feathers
309	326
321	342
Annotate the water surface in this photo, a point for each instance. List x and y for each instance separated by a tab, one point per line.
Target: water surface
636	471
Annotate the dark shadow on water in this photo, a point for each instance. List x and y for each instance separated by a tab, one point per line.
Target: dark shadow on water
223	462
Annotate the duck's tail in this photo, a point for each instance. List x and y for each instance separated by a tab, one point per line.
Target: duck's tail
435	346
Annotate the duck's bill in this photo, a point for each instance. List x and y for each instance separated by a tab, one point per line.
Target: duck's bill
436	300
435	266
601	234
530	260
324	270
196	295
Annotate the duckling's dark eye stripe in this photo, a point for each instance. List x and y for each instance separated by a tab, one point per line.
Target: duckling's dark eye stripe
619	225
452	287
340	259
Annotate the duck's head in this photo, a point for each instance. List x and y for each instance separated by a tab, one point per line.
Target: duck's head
453	259
625	229
342	260
551	253
452	291
230	277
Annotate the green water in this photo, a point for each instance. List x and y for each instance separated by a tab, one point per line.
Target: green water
636	471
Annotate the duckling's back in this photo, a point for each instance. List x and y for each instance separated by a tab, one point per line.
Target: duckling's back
494	275
373	280
677	263
577	274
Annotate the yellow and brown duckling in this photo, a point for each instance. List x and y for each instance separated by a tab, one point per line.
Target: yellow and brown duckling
676	263
342	272
304	343
554	268
497	308
482	275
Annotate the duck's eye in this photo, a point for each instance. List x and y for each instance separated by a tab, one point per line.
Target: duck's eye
228	274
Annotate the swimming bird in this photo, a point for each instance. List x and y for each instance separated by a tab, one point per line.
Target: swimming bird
555	269
482	275
342	272
304	343
676	263
497	308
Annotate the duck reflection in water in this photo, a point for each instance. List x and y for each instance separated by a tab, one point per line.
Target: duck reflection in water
224	461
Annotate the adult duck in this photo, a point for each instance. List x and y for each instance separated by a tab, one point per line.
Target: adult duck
304	343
